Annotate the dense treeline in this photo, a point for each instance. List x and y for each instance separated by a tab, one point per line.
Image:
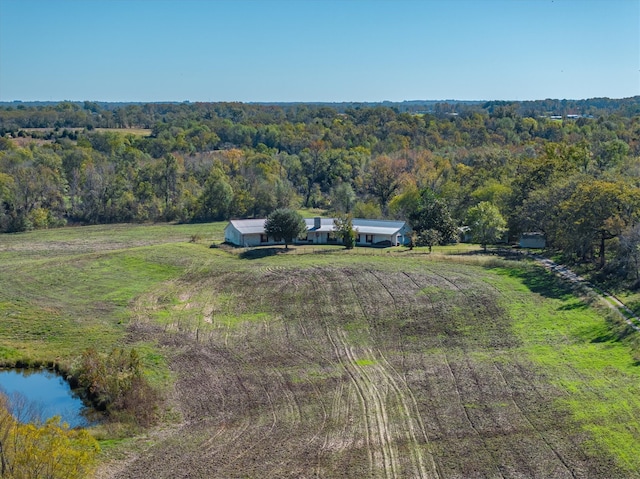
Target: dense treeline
16	115
576	179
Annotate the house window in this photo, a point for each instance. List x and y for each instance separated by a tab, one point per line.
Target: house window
357	238
331	238
263	238
369	238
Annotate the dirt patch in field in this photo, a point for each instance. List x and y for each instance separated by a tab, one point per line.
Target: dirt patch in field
356	372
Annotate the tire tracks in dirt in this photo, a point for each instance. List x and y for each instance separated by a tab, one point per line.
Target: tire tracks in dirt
560	460
558	456
408	404
411	425
369	428
463	407
450	371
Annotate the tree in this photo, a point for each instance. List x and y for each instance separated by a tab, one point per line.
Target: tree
368	209
285	224
405	203
50	450
344	229
611	154
167	179
431	213
314	164
486	223
428	238
343	198
541	211
596	212
116	384
383	179
629	253
216	197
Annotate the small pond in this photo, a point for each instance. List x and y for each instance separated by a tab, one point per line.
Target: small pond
43	394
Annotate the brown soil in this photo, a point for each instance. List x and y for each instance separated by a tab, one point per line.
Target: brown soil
357	373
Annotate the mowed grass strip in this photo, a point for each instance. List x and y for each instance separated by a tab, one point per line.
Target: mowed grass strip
575	347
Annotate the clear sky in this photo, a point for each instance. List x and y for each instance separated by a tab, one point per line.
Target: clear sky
318	50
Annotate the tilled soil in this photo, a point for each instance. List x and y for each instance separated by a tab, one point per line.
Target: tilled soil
357	373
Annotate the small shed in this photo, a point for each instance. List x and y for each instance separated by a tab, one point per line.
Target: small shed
464	234
534	240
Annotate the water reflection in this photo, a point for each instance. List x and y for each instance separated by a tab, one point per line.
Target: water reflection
41	394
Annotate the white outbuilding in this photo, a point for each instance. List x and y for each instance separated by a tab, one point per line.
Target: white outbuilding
532	240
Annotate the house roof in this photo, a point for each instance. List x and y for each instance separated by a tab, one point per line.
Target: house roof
381	227
363	226
326	224
247	227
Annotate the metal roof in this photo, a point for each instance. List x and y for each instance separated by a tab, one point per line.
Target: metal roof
247	227
381	227
326	224
363	226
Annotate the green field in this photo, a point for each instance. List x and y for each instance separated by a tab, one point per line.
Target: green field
327	363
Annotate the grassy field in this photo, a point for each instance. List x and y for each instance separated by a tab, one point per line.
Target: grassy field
64	290
369	363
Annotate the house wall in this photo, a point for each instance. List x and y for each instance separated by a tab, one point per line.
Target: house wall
252	240
232	235
376	239
405	237
317	237
536	242
308	240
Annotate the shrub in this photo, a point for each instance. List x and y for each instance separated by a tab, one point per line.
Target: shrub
116	384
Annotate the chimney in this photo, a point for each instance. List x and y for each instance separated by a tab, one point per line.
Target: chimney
317	222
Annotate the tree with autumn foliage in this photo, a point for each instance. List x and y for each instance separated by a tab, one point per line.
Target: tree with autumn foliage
596	212
50	450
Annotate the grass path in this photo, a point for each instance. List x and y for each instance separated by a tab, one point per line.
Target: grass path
610	300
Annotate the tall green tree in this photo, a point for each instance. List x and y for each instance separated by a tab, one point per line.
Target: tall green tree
343	198
598	211
383	179
431	213
486	223
216	197
343	224
285	224
629	253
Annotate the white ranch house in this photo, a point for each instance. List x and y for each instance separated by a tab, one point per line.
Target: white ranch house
248	233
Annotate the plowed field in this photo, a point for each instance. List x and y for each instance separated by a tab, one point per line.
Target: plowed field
349	366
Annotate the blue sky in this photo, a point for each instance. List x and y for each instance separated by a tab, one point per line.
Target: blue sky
318	50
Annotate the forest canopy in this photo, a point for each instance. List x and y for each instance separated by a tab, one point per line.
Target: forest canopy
568	169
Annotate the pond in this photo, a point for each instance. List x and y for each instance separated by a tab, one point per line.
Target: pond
42	394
